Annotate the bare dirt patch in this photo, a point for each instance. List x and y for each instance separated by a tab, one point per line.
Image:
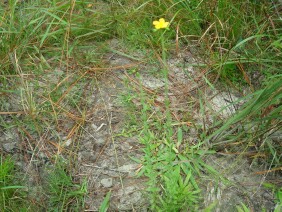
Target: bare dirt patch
104	158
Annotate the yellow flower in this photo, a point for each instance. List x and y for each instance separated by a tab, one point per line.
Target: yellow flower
161	24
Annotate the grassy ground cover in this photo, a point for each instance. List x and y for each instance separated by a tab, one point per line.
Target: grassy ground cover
48	47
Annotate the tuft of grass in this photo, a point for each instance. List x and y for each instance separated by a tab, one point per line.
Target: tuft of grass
170	162
178	193
256	124
278	195
62	192
37	53
244	208
277	191
44	83
13	194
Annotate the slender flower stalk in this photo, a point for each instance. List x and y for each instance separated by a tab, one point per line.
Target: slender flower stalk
162	24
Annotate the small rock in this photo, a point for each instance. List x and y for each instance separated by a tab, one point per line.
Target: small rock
132	140
88	155
128	168
107	182
130	196
127	190
119	61
125	146
20	164
100	141
111	173
9	147
152	83
223	104
94	126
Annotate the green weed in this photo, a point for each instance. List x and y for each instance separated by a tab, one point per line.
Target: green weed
105	204
13	194
62	193
244	208
256	121
277	194
172	183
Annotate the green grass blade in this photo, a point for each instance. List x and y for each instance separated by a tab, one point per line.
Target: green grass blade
106	202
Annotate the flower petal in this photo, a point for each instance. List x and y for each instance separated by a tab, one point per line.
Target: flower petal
165	25
155	22
158	26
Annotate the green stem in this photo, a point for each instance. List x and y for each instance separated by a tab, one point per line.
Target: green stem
167	102
163	48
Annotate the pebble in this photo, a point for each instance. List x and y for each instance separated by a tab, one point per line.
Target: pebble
152	83
9	147
128	168
107	182
130	196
